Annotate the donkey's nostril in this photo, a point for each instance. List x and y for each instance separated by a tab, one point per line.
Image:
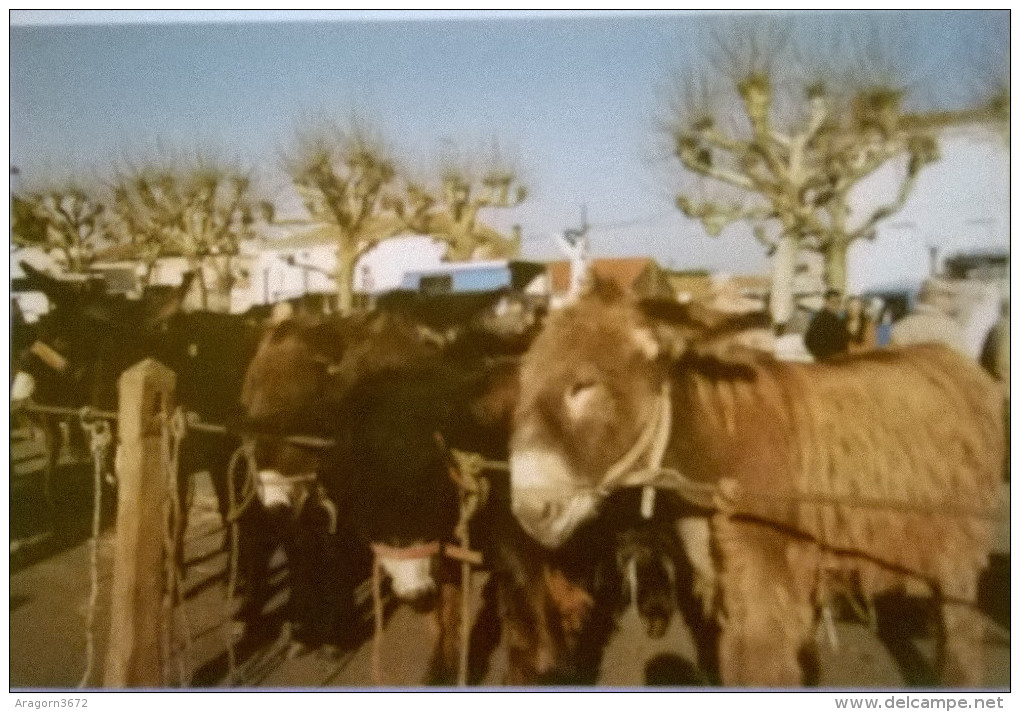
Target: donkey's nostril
549	510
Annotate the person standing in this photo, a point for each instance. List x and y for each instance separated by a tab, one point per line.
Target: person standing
861	327
883	335
995	354
827	334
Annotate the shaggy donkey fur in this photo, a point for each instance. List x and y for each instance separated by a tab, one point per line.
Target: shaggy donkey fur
919	426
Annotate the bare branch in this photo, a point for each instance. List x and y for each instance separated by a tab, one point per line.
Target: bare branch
480	180
67	217
716	216
194	207
810	135
749	44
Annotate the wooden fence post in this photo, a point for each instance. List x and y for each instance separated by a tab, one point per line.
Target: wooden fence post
135	654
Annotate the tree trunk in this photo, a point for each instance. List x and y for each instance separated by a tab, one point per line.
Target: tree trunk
75	263
224	282
150	267
345	262
784	265
195	264
835	265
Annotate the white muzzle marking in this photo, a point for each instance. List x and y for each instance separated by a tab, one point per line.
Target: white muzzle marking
23	387
411	579
546	499
274	489
533	468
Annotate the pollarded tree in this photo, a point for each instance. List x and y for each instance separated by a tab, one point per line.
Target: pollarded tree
353	189
348	181
451	214
792	161
201	211
875	131
67	218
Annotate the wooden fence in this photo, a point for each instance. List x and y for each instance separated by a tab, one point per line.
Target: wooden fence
136	643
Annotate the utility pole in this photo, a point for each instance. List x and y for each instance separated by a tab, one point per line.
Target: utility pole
574	235
573	242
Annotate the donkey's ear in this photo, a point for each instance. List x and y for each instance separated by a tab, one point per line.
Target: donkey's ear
670	326
659	342
693	318
726	359
160	307
700	327
59	292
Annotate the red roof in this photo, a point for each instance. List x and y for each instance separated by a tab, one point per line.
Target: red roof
623	271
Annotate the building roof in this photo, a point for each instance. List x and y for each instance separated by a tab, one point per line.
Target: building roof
623	271
692	284
474	266
461	278
477	276
304	239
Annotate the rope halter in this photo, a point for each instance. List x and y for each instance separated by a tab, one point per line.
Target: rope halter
640	464
406	553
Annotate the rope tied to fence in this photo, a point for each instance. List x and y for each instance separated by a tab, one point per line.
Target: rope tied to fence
244	453
100	438
173	431
192	420
725	496
82	413
731	497
465	469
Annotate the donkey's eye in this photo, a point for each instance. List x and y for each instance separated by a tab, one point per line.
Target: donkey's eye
580	386
580	396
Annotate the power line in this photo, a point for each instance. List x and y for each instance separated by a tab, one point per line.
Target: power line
619	225
609	226
647	220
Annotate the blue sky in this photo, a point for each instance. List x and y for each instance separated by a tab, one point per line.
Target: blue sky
573	98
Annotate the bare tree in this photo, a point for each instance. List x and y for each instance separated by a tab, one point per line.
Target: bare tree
452	213
347	178
201	210
352	187
798	149
28	227
68	218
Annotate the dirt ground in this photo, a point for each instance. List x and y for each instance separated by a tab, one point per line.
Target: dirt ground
50	583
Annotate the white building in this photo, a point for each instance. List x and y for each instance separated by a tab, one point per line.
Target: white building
959	204
289	266
267	270
33	304
277	269
384	267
